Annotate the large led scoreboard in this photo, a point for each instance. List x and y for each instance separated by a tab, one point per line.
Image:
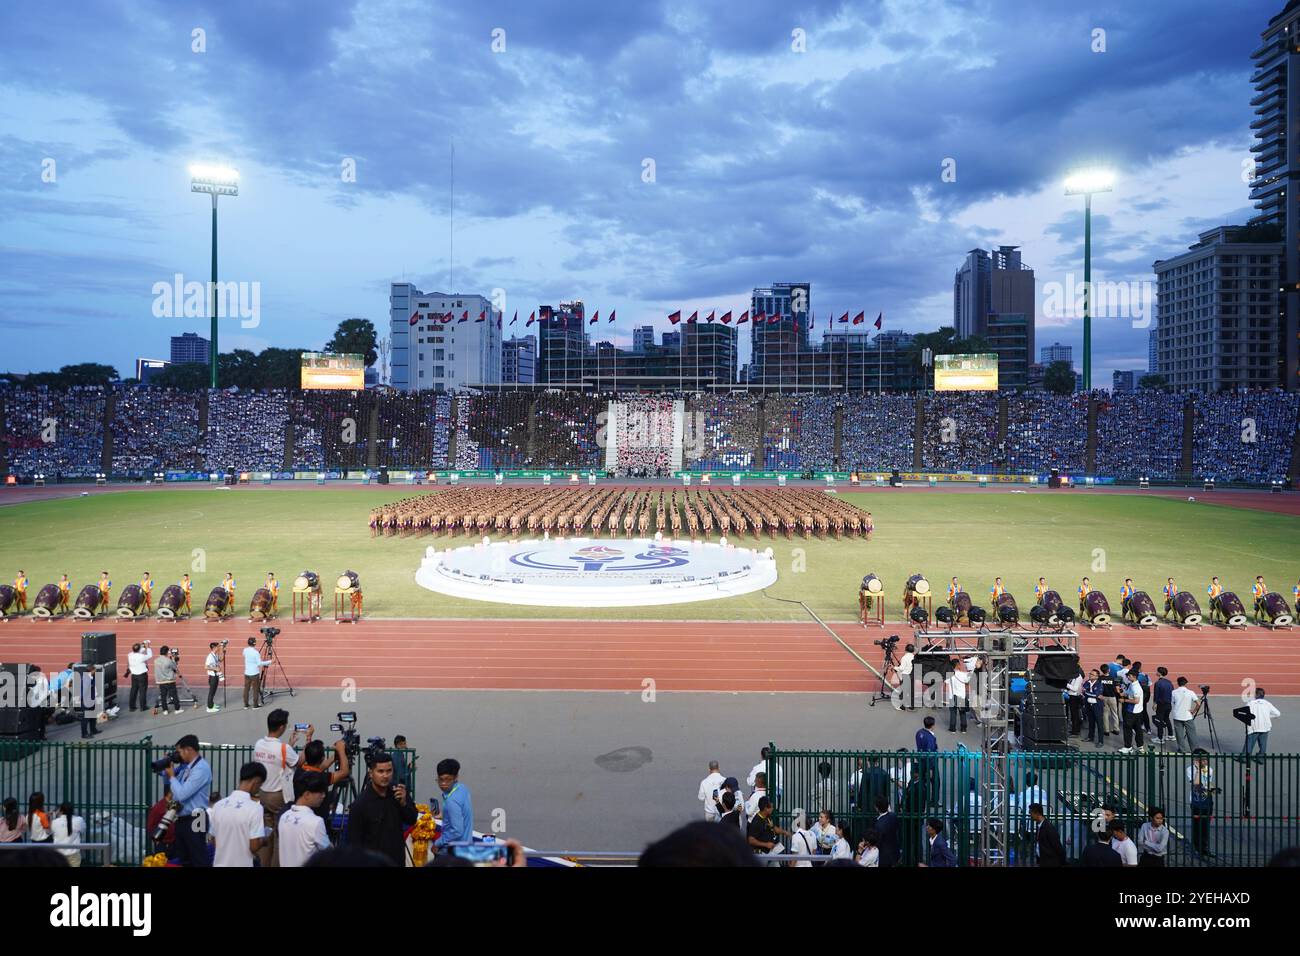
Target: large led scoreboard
966	373
332	370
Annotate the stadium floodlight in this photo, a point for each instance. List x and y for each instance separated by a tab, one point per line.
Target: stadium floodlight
215	181
1085	182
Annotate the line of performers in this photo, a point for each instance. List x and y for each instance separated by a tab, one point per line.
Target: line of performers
631	512
136	600
1135	606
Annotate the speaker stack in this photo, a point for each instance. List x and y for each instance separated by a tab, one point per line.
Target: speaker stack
19	722
1054	479
99	648
1045	725
383	475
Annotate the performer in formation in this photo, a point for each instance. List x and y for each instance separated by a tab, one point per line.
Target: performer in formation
620	512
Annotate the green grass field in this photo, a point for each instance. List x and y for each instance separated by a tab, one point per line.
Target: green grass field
974	536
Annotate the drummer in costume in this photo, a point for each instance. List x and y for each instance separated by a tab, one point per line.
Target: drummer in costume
1040	589
1169	590
997	590
20	591
1259	590
105	590
953	588
65	594
273	586
146	591
1214	590
1125	593
1085	586
187	586
229	585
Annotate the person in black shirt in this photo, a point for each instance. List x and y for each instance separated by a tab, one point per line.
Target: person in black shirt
763	829
1100	853
731	812
1050	850
378	818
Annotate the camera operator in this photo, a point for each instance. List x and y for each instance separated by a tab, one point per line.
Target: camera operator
906	684
212	667
254	664
164	674
378	818
279	759
333	766
137	662
190	779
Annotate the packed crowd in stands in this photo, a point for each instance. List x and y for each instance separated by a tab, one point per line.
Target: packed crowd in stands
1045	431
961	431
645	437
722	433
57	432
1244	437
1236	437
1140	433
154	429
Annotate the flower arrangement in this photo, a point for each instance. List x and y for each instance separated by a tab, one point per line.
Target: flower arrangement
426	830
158	859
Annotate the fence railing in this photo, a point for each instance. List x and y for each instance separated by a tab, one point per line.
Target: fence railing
1221	809
112	785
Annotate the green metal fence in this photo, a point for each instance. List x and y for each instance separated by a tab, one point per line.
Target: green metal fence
112	786
1221	809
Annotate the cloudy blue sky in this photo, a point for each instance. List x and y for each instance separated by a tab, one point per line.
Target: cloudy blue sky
771	164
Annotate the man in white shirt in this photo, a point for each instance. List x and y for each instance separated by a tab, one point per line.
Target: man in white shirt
907	683
1121	844
958	681
235	823
760	791
212	667
278	760
710	788
1132	710
302	832
137	663
1184	705
253	667
761	767
1262	712
803	843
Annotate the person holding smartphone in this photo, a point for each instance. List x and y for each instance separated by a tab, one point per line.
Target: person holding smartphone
379	816
279	759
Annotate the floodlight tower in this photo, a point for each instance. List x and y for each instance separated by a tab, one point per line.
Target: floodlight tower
215	181
1086	182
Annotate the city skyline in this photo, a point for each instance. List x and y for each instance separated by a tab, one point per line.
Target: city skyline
769	164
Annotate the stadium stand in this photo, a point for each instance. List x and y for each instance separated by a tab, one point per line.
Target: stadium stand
1140	434
1244	436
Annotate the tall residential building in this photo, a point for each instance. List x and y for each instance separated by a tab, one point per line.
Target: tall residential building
1009	334
1217	303
780	349
642	337
519	360
1153	359
189	348
446	347
1056	352
672	340
562	343
1277	170
996	283
1123	381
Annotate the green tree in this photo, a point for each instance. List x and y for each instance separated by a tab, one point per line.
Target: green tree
1158	382
355	337
190	377
279	368
1059	378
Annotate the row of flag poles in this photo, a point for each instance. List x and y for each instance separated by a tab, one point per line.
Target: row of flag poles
674	318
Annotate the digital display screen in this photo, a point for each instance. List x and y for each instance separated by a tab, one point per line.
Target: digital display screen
966	373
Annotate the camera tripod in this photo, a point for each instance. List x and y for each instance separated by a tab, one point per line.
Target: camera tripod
184	692
268	689
886	691
1209	718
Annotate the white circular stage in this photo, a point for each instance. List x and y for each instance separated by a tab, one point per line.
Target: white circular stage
595	572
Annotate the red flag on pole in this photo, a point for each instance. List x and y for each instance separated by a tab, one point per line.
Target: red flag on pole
612	313
844	317
482	317
675	317
710	318
773	318
464	316
415	317
595	317
759	317
448	317
531	319
879	319
726	318
744	317
857	319
694	316
516	318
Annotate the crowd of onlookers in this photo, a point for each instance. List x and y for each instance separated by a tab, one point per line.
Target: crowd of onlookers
1140	434
1244	437
1236	437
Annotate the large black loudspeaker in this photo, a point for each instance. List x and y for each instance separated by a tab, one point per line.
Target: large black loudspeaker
1045	721
1060	668
895	479
1054	479
383	475
100	647
932	665
17	720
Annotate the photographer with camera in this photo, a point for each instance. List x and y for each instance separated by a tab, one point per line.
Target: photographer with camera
254	664
190	779
212	667
279	759
378	818
137	663
164	674
334	766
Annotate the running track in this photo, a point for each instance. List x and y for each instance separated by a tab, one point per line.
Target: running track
620	655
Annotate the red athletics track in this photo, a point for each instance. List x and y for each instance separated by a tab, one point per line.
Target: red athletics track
620	655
